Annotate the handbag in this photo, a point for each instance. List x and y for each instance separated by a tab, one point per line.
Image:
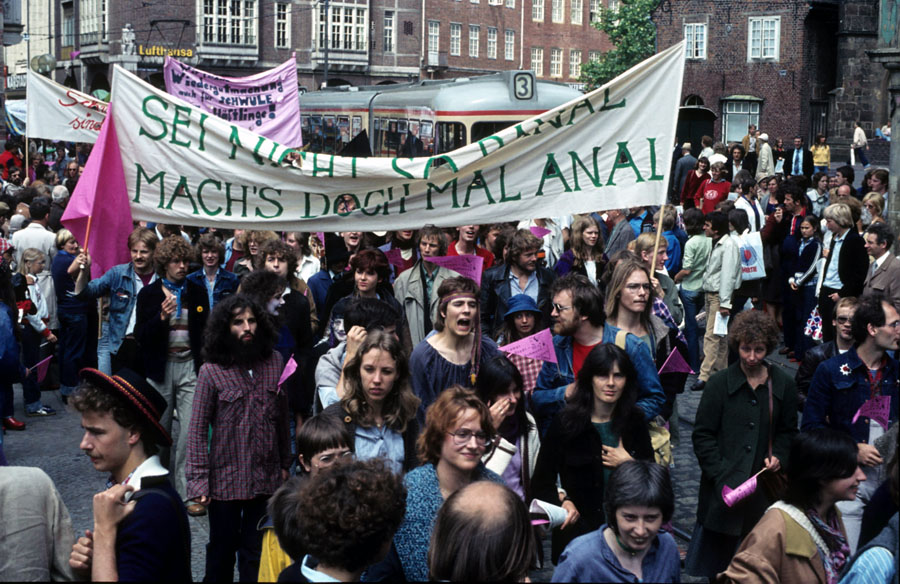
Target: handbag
752	253
774	483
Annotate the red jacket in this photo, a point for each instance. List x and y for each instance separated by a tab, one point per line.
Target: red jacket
710	193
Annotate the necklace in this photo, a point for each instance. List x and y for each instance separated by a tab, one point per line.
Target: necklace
630	551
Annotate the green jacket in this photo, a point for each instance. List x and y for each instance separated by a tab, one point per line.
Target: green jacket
731	437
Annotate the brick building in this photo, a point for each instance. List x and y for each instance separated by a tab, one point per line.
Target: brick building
362	41
792	67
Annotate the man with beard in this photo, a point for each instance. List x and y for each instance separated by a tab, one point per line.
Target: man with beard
171	315
122	284
10	191
248	455
520	275
578	327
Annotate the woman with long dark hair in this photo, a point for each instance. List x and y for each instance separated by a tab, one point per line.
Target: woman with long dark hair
585	257
599	428
499	386
378	406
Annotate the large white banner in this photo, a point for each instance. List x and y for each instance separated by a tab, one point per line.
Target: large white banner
608	149
57	112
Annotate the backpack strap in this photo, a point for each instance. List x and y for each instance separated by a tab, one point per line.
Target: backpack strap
620	339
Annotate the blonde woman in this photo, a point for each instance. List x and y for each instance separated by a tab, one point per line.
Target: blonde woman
32	264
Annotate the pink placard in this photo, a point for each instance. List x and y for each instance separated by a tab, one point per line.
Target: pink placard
743	491
289	369
537	346
394	257
465	265
675	363
539	232
878	408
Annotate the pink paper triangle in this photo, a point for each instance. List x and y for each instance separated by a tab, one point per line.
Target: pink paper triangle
465	265
394	257
42	368
289	368
537	346
539	232
675	363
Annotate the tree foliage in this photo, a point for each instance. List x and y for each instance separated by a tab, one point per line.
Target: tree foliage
633	34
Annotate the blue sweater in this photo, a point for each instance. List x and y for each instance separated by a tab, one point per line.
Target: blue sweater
153	542
589	559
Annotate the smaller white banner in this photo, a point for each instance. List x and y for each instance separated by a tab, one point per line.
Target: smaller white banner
56	112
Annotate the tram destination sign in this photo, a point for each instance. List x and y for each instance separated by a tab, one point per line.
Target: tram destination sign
608	149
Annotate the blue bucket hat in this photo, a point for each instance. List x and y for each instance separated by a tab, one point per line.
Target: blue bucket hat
521	303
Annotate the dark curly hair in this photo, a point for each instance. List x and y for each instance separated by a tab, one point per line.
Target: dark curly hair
400	404
219	343
345	516
276	247
170	249
751	327
90	398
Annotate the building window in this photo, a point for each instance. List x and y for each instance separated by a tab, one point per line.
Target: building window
763	38
613	6
509	44
347	28
537	10
230	22
495	2
510	3
492	43
388	31
594	56
695	39
282	25
455	39
68	24
434	40
557	10
594	11
577	9
556	62
574	64
739	115
474	39
537	61
93	16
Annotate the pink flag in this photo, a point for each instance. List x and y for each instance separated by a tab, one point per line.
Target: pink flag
878	408
98	213
675	363
539	232
465	265
289	368
42	367
394	257
537	346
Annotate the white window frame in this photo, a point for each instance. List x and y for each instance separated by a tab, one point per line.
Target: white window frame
557	11
556	58
389	36
221	26
434	39
537	10
509	44
511	4
574	63
736	116
577	9
594	56
492	42
93	16
455	39
613	6
537	61
474	40
763	38
495	2
282	25
594	10
695	35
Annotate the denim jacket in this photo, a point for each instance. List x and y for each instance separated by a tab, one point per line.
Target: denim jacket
118	283
838	389
226	284
549	393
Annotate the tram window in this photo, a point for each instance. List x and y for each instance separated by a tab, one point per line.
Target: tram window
481	130
450	136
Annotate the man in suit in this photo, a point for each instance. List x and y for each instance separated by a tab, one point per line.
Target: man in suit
798	161
765	161
883	276
684	165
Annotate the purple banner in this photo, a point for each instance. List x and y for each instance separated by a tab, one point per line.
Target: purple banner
266	103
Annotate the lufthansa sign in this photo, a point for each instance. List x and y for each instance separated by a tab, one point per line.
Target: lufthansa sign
160	51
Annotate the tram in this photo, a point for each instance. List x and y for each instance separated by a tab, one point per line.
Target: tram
425	118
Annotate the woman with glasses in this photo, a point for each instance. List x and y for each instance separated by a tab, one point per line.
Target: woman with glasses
599	428
744	425
378	407
322	442
458	432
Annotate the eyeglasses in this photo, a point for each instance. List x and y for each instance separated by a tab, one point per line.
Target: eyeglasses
843	319
637	287
560	307
462	437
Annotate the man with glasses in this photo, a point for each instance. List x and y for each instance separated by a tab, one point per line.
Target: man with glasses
578	327
520	275
247	458
845	383
843	342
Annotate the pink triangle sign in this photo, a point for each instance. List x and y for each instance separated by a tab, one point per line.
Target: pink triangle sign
537	346
675	363
289	369
464	265
539	232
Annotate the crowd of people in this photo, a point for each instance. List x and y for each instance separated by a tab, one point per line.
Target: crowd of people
342	408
